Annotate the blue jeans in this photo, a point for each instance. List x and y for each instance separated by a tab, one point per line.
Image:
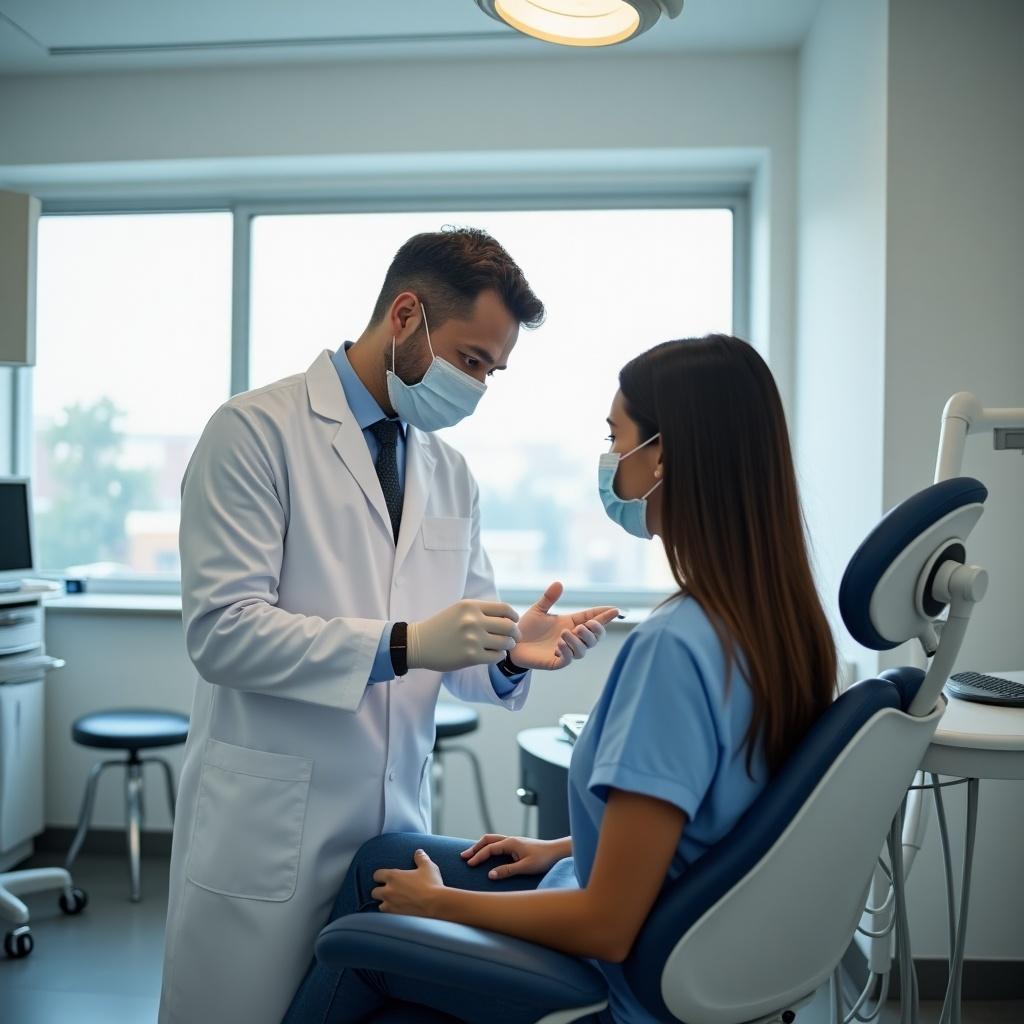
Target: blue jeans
327	996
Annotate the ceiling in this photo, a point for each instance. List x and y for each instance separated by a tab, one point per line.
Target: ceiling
53	36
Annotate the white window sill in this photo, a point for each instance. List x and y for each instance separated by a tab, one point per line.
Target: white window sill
140	604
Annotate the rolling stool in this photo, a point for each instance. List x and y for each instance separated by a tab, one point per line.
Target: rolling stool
452	720
130	730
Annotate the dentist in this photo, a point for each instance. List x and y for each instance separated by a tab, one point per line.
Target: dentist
332	580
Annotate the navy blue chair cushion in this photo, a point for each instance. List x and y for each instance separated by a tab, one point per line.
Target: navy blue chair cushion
685	899
454	720
476	961
893	534
130	729
907	681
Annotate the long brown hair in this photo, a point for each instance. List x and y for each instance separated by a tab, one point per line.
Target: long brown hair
732	525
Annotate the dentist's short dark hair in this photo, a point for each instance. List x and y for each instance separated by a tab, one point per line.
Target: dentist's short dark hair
448	269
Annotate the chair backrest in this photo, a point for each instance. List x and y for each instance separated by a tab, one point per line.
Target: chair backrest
762	919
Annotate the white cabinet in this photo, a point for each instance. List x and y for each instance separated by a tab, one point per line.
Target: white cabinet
21	762
23	667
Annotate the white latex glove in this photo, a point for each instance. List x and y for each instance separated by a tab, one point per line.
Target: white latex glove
466	633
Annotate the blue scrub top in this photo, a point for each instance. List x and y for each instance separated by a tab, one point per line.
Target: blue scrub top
668	724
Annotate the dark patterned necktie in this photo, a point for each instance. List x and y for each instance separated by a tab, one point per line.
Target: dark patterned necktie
386	432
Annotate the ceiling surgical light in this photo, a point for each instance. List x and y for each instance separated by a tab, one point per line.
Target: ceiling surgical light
581	22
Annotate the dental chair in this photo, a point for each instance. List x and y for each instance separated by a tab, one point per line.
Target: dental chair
752	929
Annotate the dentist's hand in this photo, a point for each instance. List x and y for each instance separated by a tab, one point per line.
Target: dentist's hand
463	634
553	641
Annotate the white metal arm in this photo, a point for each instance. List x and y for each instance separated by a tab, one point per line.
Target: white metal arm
964	415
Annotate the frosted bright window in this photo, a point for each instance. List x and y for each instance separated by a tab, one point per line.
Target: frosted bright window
134	349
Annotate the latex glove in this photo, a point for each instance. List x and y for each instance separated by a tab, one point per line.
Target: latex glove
463	634
553	641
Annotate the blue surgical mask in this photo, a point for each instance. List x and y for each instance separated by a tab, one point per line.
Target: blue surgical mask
444	396
629	513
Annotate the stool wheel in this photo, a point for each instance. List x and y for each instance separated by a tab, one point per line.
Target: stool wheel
78	902
18	944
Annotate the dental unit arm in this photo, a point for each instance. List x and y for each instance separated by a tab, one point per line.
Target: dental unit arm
959	586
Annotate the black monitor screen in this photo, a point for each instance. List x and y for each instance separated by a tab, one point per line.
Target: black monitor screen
15	547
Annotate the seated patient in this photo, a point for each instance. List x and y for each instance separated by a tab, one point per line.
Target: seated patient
704	701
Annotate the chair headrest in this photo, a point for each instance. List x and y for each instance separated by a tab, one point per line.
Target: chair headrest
685	899
885	597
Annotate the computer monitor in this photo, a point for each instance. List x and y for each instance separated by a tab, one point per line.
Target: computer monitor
16	551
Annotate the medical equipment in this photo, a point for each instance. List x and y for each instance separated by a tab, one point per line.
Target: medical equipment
16	549
572	725
985	689
24	664
963	415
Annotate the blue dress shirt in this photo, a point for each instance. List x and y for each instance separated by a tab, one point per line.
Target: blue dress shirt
367	411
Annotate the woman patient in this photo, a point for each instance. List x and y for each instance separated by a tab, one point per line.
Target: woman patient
704	702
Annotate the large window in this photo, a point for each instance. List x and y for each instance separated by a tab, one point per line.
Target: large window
134	341
614	282
136	352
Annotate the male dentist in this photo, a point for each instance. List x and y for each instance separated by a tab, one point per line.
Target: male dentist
332	580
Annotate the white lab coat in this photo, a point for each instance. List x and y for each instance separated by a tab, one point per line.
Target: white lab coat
289	573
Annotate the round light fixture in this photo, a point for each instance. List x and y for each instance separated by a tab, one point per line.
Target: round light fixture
581	22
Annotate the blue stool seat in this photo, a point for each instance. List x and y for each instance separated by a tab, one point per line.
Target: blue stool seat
454	720
130	729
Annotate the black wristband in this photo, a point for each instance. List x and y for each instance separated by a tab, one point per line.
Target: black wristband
399	647
509	668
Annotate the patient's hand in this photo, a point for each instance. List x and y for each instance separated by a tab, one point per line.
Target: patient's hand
530	856
412	892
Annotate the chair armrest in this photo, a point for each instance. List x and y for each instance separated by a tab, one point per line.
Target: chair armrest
484	962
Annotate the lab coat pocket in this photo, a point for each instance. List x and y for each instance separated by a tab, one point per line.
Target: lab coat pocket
446	554
446	533
250	813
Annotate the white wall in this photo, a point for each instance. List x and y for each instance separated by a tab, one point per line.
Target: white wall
955	321
841	287
588	101
911	241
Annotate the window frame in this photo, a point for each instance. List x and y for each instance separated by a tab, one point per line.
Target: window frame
627	195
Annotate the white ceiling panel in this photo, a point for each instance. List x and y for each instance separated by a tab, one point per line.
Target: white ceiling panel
67	35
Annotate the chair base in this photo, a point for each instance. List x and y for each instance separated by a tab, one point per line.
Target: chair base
135	811
18	942
22	883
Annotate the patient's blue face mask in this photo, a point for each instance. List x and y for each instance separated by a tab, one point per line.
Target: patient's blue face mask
444	396
629	513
